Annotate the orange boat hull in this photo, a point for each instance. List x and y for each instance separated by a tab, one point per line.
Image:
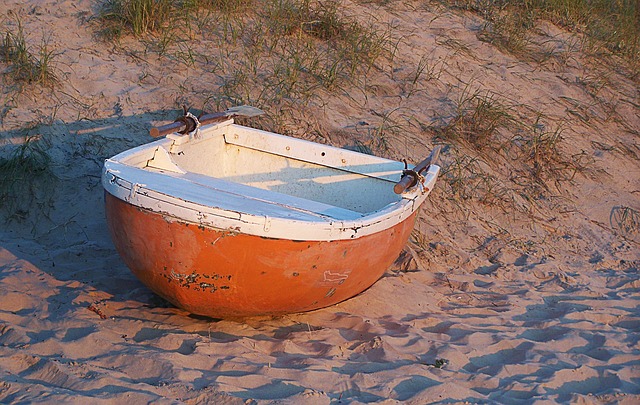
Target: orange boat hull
222	273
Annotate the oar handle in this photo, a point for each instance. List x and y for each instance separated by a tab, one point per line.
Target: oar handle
177	126
410	177
182	126
405	182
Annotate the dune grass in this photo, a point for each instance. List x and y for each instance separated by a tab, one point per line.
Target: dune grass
27	66
625	221
276	55
499	155
25	175
610	27
615	24
280	54
222	6
136	16
477	119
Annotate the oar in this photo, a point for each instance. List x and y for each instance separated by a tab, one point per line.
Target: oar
188	122
410	177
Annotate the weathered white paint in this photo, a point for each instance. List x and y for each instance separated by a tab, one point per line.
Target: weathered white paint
264	184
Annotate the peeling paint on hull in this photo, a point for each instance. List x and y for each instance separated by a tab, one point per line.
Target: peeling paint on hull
223	273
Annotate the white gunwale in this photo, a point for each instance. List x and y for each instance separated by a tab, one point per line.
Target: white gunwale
178	194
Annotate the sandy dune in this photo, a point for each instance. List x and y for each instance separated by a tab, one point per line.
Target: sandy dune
511	291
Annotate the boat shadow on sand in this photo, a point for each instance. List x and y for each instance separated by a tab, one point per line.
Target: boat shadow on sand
52	207
55	219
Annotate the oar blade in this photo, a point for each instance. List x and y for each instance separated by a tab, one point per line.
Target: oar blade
244	111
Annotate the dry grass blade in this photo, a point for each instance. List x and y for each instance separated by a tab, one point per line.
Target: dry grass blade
509	30
626	221
223	6
611	27
24	173
138	16
478	116
25	65
467	179
542	149
286	17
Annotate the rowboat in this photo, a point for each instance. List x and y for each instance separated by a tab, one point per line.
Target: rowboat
231	221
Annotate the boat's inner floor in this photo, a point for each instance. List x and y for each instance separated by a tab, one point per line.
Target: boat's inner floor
337	177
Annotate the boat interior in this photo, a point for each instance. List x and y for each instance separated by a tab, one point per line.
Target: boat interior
234	154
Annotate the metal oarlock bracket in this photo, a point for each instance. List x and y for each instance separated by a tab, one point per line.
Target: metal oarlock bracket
410	177
191	123
413	175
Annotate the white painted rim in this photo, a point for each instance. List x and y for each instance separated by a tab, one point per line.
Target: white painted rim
182	200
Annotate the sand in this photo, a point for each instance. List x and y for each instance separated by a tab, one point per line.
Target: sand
499	298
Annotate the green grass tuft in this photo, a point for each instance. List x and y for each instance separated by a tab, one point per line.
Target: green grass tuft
478	117
611	26
25	65
625	221
222	6
138	16
25	174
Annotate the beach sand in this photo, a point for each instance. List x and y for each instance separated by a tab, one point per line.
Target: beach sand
510	291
